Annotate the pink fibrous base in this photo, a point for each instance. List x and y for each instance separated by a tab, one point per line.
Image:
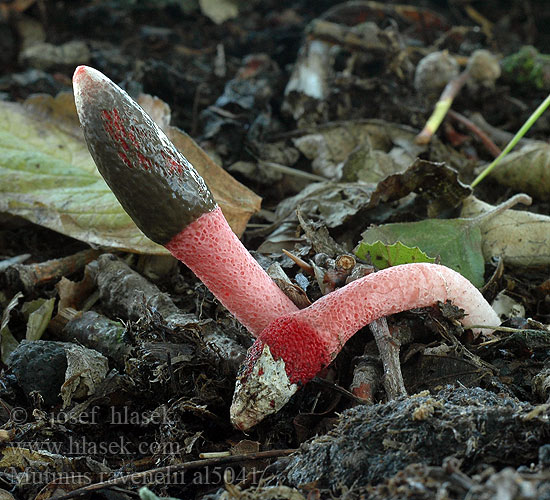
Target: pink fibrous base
213	252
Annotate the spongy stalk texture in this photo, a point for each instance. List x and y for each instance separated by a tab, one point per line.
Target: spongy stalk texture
338	315
213	252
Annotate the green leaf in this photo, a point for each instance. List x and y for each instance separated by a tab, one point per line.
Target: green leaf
383	255
456	241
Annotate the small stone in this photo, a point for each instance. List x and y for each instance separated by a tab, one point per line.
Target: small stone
484	68
544	455
434	71
40	366
46	56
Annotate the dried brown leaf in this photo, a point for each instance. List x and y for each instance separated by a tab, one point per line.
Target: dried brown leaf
520	238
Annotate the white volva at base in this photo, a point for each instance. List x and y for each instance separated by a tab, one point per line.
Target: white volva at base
264	391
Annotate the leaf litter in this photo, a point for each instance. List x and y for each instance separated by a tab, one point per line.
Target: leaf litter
173	351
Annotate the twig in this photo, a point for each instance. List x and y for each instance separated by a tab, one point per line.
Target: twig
340	390
442	106
291	171
302	264
472	127
18	259
366	378
389	354
28	276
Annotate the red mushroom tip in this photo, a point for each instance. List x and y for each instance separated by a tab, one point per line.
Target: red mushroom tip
79	72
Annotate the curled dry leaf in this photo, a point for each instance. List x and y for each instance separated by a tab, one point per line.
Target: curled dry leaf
330	148
8	343
86	369
49	461
38	313
520	238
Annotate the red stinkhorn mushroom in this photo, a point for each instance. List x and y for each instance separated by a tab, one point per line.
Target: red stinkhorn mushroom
170	203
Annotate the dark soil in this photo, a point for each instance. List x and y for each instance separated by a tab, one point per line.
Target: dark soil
480	429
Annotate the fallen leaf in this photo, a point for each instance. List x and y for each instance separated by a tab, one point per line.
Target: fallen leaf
383	255
520	238
32	460
6	495
456	241
333	203
73	294
219	10
238	203
366	164
330	146
436	183
48	177
8	343
506	307
86	369
157	109
62	486
336	203
38	313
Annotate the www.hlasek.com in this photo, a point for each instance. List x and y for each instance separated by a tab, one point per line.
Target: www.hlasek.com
82	446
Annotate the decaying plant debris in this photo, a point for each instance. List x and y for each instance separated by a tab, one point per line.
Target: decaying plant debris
375	442
118	368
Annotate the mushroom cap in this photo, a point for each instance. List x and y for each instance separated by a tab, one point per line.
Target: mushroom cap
152	180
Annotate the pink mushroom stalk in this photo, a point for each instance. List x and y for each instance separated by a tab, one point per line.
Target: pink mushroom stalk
169	201
296	346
